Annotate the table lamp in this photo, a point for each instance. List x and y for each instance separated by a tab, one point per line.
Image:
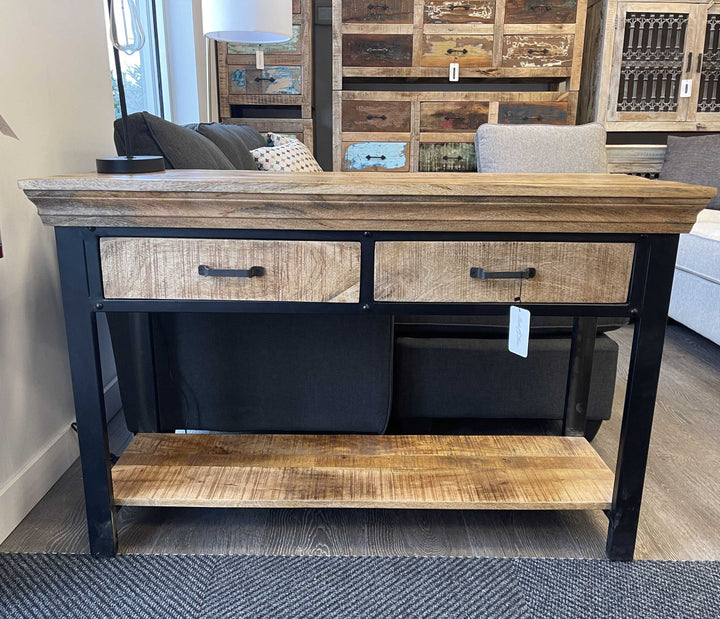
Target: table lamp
248	21
134	41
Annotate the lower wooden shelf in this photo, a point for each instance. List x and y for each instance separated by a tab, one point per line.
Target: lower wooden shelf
411	472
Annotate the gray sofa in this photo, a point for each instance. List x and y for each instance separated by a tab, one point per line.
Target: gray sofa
695	300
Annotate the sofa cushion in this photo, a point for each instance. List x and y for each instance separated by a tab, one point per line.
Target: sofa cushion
181	147
235	141
694	160
553	149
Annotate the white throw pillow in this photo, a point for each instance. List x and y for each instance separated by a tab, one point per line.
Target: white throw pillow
278	139
291	157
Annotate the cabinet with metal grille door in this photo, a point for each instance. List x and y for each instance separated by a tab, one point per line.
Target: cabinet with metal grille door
654	67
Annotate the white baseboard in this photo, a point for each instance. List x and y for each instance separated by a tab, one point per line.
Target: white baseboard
30	484
22	491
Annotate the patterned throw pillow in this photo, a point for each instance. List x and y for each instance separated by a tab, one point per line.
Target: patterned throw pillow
278	139
291	157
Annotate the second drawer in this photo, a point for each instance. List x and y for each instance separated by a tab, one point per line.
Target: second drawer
156	268
439	272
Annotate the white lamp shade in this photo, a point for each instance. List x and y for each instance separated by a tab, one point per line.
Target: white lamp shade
247	21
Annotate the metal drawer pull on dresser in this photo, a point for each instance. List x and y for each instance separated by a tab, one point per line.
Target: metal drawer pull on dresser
206	271
478	273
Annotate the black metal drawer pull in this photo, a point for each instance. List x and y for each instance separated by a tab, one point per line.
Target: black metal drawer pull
370	117
448	157
448	117
377	50
465	7
478	273
265	79
206	271
535	7
378	7
369	157
536	51
689	64
457	51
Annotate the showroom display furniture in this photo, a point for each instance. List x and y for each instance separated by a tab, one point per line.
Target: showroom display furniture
638	54
399	127
601	245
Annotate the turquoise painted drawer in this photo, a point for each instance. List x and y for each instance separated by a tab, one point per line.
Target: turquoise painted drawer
447	157
268	81
375	157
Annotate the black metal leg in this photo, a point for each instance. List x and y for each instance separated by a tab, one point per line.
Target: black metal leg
579	374
644	371
81	326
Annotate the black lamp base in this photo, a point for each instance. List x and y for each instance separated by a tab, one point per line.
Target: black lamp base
130	165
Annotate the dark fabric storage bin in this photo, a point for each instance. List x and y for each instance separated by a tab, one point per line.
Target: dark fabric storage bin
479	378
260	373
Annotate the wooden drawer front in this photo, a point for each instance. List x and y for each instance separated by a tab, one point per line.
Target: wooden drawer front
447	157
377	11
375	157
267	81
377	50
376	116
153	268
439	50
293	46
540	11
534	113
460	11
462	116
439	272
538	50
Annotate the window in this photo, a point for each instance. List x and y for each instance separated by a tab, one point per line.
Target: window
142	71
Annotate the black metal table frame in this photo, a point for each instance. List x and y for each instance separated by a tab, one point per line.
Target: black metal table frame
648	301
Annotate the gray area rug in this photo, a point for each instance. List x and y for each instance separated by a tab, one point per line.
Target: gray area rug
45	585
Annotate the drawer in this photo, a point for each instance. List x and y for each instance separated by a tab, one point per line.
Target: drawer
375	157
461	116
537	50
447	157
469	51
439	272
293	46
540	11
376	116
533	113
377	50
267	81
377	11
460	11
156	268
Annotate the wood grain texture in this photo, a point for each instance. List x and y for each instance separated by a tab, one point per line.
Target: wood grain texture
429	472
635	158
430	271
376	116
447	157
541	112
383	11
466	50
459	11
343	201
537	50
377	50
540	11
162	268
453	116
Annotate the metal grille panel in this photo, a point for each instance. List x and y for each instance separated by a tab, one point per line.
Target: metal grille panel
652	59
709	99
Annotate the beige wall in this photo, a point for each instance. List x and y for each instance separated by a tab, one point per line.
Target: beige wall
55	94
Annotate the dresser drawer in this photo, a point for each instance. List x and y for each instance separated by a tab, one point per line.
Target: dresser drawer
377	50
276	80
369	116
439	272
538	50
155	268
469	51
540	11
448	116
292	46
377	11
375	157
447	157
533	113
460	11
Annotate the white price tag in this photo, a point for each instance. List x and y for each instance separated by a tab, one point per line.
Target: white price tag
259	59
519	332
685	88
454	75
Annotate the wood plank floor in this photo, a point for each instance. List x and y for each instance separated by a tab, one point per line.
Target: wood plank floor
679	517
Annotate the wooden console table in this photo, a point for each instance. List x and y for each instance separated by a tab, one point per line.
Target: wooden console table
201	241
